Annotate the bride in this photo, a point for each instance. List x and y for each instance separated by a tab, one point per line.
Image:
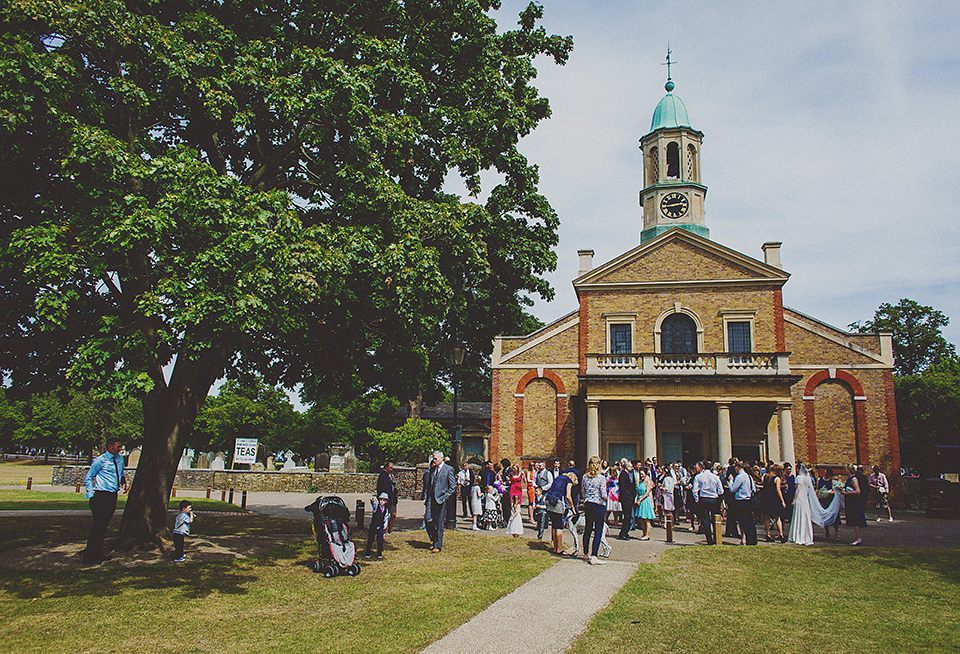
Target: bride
807	509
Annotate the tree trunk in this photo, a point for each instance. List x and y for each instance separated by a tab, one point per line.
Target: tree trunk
169	414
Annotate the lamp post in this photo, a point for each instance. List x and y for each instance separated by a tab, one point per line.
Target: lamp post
455	353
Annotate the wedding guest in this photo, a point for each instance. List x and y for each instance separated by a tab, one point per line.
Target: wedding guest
772	501
595	506
854	505
881	489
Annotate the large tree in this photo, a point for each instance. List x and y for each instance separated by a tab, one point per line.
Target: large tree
192	189
918	341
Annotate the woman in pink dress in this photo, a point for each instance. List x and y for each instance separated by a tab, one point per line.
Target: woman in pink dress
516	483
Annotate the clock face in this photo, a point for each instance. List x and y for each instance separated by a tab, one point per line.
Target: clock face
674	205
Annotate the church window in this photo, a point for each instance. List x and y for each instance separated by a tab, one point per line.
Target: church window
620	339
654	166
678	334
738	337
673	160
692	163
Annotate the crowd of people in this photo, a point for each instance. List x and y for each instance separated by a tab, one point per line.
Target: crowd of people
639	495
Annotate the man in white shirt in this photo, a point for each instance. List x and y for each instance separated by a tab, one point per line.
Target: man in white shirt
707	491
464	481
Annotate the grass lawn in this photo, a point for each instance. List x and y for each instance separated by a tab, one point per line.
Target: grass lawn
272	603
33	500
16	473
763	599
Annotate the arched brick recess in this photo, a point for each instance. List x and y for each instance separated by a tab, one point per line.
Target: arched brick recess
859	409
561	390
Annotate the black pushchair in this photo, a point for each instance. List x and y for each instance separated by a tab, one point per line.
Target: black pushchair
331	526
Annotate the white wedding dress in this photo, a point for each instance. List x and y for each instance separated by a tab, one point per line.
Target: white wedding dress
807	510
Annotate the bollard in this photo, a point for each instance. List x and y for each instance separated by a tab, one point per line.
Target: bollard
79	484
209	488
29	483
718	528
223	496
231	496
359	514
243	500
174	491
669	522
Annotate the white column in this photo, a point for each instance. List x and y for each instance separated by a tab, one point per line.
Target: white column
649	430
786	433
773	439
724	438
593	428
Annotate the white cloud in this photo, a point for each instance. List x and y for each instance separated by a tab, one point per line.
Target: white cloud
830	126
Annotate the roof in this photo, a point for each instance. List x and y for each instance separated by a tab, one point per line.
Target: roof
670	112
480	411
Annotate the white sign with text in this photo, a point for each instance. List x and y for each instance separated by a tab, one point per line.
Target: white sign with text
245	450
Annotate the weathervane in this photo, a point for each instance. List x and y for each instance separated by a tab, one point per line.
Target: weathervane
669	85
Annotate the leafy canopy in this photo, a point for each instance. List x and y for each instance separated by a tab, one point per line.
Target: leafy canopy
413	441
255	185
917	339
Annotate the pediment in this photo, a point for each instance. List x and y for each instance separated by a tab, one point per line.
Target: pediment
677	257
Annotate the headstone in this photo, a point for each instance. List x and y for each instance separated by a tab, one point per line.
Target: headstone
203	460
219	462
185	460
134	459
323	462
338	455
271	463
350	464
289	464
262	456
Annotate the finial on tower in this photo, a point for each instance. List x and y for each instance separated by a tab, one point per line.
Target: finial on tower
669	86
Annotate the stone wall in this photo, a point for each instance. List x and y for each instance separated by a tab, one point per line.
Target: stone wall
243	480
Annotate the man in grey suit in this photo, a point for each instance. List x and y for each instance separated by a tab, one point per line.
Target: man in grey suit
439	484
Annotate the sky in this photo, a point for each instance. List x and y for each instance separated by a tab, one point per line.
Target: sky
833	127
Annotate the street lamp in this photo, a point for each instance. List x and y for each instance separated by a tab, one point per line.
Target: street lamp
456	350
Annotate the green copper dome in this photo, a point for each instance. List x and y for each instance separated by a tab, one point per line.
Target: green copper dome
670	112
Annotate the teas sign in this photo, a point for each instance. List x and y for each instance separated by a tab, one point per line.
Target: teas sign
245	450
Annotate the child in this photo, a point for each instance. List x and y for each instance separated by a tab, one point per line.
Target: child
515	526
491	509
181	529
476	501
540	516
378	523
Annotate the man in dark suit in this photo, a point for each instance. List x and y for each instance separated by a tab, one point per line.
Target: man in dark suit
440	482
628	495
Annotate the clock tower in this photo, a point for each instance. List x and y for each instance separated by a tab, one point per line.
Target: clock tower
672	194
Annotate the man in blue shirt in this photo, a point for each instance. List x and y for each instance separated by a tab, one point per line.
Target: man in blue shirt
103	481
707	491
742	489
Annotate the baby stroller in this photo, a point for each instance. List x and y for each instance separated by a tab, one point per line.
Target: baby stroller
337	553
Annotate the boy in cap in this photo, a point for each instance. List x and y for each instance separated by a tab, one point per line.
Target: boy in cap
378	524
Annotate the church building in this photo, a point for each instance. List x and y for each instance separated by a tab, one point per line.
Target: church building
682	349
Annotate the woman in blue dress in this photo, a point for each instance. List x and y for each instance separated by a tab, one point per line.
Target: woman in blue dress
644	511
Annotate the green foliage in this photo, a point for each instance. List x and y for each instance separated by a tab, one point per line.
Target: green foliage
928	412
413	441
248	409
917	339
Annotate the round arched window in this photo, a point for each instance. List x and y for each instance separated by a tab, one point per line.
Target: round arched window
678	334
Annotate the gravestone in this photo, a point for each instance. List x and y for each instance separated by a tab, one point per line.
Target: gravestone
219	462
289	464
257	467
203	460
262	456
271	464
134	459
323	462
338	456
185	460
350	464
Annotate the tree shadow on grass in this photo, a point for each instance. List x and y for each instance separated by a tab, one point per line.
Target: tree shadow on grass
192	581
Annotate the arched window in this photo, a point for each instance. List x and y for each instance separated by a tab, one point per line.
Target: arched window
654	168
673	160
678	334
692	163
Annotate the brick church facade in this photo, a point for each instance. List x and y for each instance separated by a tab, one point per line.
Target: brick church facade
681	348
